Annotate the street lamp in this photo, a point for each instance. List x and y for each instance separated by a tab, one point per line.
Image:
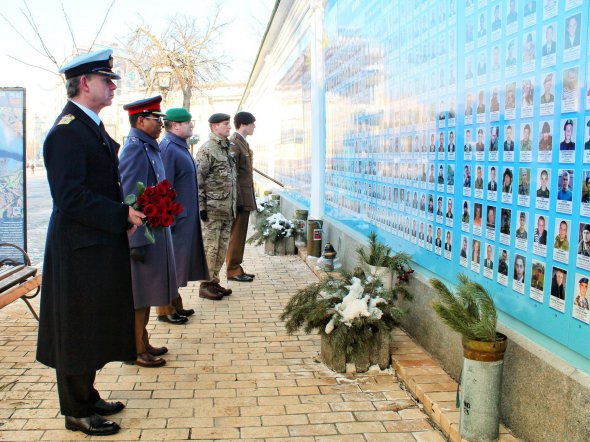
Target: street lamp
164	77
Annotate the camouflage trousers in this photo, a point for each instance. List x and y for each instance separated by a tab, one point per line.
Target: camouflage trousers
215	239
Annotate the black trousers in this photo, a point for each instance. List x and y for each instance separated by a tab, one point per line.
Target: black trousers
77	394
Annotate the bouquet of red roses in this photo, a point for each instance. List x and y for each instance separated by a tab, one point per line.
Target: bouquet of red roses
157	203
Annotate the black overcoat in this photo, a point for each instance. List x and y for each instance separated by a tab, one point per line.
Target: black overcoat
87	315
181	171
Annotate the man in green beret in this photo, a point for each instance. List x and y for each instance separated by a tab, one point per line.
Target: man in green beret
181	171
217	201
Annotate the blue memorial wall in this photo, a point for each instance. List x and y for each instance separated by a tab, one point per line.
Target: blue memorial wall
460	131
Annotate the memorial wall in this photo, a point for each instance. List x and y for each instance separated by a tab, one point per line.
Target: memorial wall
460	131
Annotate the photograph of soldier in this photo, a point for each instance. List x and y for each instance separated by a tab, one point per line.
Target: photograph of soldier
507	180
581	300
527	92
543	190
558	282
538	276
465	214
488	261
568	130
572	32
519	268
540	236
524	186
509	142
526	144
505	215
584	240
549	43
492	184
546	139
548	96
491	217
564	184
510	102
478	178
521	231
479	145
503	262
494	139
561	240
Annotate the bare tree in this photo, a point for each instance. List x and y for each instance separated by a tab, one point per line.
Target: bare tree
186	50
37	41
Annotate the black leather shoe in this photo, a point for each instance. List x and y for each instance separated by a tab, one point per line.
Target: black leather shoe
156	351
187	312
148	360
242	277
105	408
94	425
174	318
251	275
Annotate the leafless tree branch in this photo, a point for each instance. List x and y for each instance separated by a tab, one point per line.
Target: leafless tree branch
67	18
102	24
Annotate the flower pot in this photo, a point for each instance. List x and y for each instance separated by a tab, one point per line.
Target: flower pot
384	273
282	246
481	383
376	353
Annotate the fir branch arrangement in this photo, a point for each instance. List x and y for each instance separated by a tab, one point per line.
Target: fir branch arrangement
378	255
470	312
266	206
273	227
350	310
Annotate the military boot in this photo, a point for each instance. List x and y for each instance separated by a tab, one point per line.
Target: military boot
208	291
222	290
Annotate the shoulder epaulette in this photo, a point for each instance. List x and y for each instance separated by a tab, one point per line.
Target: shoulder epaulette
66	119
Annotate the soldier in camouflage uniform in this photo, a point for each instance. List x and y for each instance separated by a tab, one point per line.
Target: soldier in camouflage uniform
217	201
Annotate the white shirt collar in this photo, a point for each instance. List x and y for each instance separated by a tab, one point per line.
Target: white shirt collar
93	115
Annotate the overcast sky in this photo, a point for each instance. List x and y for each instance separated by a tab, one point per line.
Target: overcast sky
247	21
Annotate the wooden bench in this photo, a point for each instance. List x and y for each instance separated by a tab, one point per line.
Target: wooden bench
18	279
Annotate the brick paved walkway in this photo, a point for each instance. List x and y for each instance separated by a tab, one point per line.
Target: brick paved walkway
232	374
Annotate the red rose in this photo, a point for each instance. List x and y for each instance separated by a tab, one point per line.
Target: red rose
176	208
166	184
150	210
155	221
172	194
149	191
167	203
156	200
167	220
142	200
161	189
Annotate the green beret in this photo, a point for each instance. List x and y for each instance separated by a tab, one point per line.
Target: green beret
178	114
218	118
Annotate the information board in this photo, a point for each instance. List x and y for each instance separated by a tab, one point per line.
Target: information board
12	168
461	130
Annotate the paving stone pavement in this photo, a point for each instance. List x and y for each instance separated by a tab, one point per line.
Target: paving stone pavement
232	373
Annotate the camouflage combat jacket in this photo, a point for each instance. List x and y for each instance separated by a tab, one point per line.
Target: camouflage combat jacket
217	179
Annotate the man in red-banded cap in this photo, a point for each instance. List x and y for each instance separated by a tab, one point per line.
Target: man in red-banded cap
153	268
86	316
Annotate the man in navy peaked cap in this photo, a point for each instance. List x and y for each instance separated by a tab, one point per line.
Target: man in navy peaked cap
86	316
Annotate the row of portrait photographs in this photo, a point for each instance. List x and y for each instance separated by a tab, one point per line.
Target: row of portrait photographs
430	237
511	11
561	38
530	139
477	180
422	204
530	103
